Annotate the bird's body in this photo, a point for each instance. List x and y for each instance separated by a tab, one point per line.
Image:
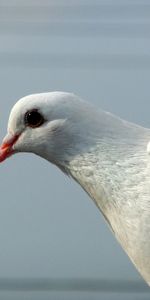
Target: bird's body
107	156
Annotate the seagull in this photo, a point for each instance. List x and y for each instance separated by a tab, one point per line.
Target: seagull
109	158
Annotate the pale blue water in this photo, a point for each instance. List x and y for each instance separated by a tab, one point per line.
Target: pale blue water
72	296
72	289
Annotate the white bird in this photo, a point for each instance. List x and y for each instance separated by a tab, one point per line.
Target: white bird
107	156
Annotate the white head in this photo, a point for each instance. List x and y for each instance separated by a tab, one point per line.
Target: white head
50	125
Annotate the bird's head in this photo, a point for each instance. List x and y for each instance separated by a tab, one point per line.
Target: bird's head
48	124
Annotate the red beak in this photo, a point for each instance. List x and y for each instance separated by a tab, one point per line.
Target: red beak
6	149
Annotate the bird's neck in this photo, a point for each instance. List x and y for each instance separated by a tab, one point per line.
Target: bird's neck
117	176
109	171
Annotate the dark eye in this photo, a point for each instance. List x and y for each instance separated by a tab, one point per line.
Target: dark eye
33	118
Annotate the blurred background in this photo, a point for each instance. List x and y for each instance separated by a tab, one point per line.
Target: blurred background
53	240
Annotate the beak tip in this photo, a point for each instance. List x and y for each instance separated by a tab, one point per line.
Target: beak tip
4	153
6	149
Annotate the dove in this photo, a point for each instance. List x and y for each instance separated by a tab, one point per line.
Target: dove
108	157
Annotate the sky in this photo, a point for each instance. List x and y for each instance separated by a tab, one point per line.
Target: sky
98	50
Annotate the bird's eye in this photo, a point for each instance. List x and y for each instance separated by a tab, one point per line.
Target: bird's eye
33	118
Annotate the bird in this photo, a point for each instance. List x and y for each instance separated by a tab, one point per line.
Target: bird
106	155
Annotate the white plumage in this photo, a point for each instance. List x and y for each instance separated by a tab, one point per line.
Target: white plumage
107	156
